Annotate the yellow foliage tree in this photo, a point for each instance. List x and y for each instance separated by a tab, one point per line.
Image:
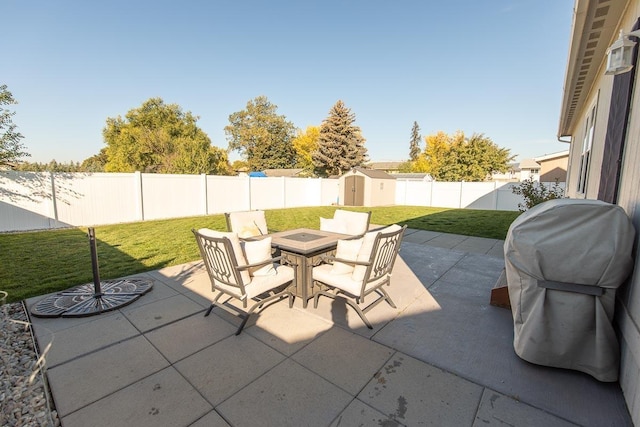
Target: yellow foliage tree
305	143
436	151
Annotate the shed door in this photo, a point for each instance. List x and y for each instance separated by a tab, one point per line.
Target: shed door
354	191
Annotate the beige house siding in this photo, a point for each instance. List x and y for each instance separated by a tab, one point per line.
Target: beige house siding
553	169
621	14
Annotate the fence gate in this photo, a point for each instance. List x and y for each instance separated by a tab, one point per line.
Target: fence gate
354	191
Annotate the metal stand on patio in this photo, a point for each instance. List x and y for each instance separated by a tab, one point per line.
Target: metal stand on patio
88	300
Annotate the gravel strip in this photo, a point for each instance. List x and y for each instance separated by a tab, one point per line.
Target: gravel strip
24	396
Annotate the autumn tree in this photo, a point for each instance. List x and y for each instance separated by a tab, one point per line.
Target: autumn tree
435	153
340	144
160	138
95	163
414	143
261	136
11	149
458	158
305	144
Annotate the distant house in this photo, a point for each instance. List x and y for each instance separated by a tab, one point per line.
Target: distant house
553	167
547	168
414	176
388	167
289	173
529	169
512	173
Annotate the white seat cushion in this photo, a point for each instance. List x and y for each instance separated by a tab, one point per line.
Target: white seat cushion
330	224
257	251
322	273
262	284
248	224
355	223
347	250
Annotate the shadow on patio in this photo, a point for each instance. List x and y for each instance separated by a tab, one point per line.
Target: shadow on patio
443	357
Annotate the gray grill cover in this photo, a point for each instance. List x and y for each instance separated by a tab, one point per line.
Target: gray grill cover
585	242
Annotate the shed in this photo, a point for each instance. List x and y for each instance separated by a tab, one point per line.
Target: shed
367	187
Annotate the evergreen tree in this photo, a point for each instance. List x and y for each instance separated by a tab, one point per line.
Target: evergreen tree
414	144
340	145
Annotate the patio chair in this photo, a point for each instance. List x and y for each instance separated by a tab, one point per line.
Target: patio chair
255	277
347	222
247	223
360	267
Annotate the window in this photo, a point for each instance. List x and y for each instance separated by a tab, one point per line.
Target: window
586	150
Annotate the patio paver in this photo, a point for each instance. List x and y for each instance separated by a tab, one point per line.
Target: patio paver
443	357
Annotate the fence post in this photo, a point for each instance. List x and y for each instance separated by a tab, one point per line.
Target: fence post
138	202
205	195
54	202
284	191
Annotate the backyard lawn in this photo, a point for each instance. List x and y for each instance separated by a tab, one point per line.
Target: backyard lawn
37	263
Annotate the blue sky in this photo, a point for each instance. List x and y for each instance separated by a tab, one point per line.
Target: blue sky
481	66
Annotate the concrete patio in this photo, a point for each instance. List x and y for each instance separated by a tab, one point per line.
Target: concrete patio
444	357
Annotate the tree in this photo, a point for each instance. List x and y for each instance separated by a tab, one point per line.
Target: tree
11	149
159	137
457	158
261	136
340	145
436	151
414	143
306	143
95	163
534	193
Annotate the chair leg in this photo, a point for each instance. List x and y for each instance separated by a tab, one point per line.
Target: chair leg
209	310
213	304
244	322
387	298
360	312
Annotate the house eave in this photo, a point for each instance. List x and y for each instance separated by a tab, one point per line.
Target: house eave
594	28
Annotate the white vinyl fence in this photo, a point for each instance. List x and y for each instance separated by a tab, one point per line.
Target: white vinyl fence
43	200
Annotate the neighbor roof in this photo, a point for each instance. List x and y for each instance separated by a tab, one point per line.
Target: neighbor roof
529	164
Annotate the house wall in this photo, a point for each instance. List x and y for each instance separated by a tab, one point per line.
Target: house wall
553	170
601	97
628	313
627	316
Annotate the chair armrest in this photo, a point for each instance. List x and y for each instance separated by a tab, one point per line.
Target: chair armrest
332	259
259	264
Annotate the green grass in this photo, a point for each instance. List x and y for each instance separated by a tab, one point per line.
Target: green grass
37	263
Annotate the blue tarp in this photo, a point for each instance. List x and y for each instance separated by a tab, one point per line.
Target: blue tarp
257	175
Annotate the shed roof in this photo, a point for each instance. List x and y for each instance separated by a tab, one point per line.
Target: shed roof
372	173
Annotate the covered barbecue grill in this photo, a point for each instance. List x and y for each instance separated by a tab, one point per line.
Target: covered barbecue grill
564	261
